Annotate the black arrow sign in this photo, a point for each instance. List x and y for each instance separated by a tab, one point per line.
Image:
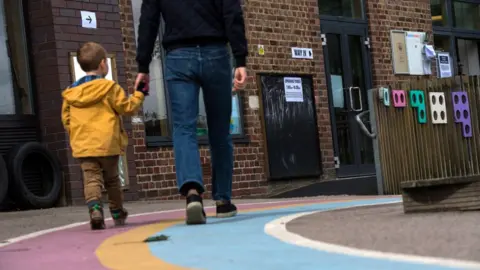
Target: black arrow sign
89	19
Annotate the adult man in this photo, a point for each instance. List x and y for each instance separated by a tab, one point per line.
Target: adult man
195	39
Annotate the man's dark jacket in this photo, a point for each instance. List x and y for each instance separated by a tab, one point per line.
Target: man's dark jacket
191	23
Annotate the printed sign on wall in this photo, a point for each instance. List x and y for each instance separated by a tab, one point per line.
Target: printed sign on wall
399	52
444	65
302	53
89	19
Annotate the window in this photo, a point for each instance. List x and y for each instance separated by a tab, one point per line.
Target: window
15	81
439	12
341	8
441	43
468	56
236	123
155	108
467	15
155	111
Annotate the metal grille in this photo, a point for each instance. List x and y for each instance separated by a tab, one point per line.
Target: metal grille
11	136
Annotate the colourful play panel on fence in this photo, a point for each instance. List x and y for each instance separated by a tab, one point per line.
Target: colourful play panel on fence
437	103
399	98
461	108
417	101
438	107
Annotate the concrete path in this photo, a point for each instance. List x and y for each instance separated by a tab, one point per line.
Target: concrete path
386	228
14	224
258	238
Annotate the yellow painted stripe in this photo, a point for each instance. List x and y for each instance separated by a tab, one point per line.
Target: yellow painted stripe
126	251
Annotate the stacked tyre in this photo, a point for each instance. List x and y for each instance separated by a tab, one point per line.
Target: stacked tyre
34	176
3	180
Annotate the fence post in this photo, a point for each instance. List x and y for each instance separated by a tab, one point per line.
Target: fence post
372	93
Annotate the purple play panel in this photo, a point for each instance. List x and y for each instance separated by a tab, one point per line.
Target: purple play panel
461	112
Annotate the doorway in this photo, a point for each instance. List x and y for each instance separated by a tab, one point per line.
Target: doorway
347	67
290	125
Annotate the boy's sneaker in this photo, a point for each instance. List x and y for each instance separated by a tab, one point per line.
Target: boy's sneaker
97	221
119	216
226	209
195	213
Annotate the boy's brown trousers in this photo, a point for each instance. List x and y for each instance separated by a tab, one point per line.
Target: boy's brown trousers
99	172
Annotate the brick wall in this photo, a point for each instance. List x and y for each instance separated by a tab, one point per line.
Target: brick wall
278	25
55	29
155	166
386	15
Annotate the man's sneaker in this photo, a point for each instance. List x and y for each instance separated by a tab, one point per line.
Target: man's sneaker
195	213
226	209
119	216
97	221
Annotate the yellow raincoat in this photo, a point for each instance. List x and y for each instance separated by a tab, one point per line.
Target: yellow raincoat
91	115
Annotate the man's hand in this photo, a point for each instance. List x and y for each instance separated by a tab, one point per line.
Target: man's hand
240	78
141	77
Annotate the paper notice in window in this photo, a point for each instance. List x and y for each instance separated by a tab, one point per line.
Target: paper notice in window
444	65
293	89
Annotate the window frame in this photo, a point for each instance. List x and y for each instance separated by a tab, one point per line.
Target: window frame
163	141
450	22
455	32
363	20
28	53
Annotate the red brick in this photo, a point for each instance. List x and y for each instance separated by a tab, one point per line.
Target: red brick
278	25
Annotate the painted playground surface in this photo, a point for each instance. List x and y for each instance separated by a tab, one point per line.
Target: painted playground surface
265	235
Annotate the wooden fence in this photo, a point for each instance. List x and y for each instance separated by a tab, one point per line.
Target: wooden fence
410	150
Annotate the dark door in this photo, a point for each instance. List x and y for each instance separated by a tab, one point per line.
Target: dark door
290	127
348	74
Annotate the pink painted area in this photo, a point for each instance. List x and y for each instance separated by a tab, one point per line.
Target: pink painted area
399	98
74	249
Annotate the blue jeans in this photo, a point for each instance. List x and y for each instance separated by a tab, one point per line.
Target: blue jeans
188	69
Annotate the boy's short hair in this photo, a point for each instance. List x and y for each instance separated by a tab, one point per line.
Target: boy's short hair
90	55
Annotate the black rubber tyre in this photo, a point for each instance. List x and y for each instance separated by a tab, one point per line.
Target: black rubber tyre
35	176
3	180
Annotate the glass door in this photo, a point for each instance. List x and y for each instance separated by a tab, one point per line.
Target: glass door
348	78
468	53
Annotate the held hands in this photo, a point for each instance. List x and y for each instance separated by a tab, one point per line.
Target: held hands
240	79
141	83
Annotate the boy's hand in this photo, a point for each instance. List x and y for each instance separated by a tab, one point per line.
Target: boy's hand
240	78
142	78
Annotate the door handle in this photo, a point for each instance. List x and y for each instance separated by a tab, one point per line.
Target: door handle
350	93
364	128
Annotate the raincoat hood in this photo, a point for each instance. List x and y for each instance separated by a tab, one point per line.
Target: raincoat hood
86	93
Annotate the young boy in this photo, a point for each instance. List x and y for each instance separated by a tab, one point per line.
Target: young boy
91	114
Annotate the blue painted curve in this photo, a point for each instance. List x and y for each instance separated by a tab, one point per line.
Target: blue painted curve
240	243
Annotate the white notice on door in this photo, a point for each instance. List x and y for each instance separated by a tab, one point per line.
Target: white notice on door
293	89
